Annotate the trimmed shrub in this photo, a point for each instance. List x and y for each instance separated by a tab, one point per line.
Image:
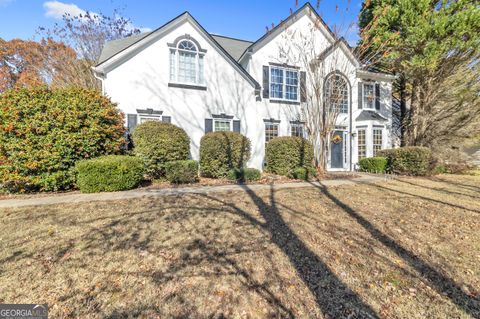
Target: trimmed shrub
303	173
376	164
158	143
221	152
245	174
284	154
109	173
412	160
44	132
181	172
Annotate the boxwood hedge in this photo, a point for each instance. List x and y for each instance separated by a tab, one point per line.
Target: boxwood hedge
221	152
376	164
412	160
181	172
109	173
158	143
286	153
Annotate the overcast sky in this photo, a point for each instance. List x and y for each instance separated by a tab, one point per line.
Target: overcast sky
246	19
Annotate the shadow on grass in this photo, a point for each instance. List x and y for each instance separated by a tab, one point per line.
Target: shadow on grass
440	282
333	297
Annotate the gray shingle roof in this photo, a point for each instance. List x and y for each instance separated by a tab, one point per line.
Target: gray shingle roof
234	47
113	47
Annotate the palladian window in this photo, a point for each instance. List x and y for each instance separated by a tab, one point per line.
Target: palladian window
186	63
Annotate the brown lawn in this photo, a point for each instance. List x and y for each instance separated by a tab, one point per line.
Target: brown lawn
403	249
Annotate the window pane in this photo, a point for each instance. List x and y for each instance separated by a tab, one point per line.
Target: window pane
271	131
368	96
144	119
291	85
201	78
222	126
187	45
276	83
172	65
362	145
187	71
377	141
336	94
297	130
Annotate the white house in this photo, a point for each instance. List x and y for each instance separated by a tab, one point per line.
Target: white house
182	74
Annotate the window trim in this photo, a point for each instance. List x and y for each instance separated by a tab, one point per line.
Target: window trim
364	97
219	119
285	69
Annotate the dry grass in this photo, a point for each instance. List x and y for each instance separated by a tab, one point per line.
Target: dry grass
404	249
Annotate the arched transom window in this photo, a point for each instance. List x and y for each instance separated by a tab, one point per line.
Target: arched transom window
336	93
186	63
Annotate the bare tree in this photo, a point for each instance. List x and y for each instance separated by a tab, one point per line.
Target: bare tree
87	34
327	93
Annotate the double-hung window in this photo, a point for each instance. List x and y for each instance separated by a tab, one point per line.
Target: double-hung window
284	84
377	140
369	95
186	64
362	143
222	125
271	131
298	129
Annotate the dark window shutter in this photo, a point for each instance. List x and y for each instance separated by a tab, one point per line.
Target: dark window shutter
236	126
131	121
167	119
208	125
266	82
360	95
303	86
377	96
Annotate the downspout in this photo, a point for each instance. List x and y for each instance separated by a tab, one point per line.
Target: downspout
100	76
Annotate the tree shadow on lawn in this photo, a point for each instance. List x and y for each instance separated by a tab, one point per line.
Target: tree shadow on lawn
441	190
334	298
440	282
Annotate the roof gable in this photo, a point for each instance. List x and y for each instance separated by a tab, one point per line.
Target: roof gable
306	9
120	50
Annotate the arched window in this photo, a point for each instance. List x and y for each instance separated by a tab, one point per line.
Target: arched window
186	63
336	93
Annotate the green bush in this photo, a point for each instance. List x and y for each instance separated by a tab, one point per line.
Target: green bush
376	164
181	172
44	131
284	154
303	173
158	143
244	174
221	152
109	173
412	160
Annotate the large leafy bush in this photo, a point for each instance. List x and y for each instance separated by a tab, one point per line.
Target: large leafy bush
109	173
412	160
221	152
158	143
181	172
376	164
285	154
43	132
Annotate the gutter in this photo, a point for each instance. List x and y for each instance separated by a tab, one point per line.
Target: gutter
100	76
